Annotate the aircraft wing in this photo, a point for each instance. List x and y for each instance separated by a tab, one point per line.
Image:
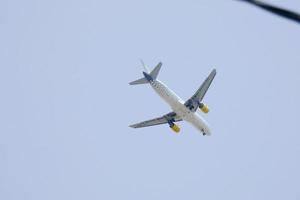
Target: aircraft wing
172	116
205	85
194	101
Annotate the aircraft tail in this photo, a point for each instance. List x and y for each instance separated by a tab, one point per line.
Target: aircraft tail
148	77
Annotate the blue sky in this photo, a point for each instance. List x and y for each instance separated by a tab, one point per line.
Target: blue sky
66	104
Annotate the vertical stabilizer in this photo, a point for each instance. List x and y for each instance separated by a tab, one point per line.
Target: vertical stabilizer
144	66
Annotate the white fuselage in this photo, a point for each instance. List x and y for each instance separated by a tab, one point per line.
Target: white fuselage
177	105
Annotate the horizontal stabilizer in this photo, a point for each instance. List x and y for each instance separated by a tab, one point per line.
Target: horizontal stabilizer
139	81
155	71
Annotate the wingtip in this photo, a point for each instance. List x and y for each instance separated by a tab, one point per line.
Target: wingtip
214	71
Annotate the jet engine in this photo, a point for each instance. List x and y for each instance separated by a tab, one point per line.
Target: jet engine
204	107
175	127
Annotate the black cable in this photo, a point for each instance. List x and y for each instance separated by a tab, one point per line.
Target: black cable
276	10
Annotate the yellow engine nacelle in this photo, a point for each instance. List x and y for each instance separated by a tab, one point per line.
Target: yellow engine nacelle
175	128
204	108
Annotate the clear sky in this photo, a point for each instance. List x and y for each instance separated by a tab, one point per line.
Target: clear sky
66	104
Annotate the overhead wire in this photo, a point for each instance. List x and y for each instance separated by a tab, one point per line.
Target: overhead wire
276	10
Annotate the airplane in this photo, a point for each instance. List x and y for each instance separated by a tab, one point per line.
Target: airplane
181	110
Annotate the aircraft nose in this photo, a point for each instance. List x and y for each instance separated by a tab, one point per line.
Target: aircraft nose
206	131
